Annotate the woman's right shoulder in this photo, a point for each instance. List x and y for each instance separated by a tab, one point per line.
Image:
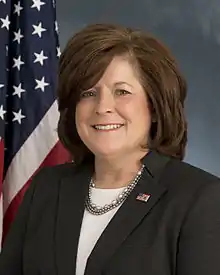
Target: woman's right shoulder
48	182
55	172
45	185
47	178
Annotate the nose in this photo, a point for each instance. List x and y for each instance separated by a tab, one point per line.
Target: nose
105	103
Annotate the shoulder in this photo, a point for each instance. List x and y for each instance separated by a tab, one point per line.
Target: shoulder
55	172
44	190
187	172
47	179
187	183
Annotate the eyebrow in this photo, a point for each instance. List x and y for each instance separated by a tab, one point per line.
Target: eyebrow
122	82
117	83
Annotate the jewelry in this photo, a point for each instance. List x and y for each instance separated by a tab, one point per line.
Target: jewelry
99	210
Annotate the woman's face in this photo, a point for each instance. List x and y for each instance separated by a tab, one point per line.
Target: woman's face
113	117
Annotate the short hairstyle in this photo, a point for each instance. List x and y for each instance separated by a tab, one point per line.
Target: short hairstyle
85	59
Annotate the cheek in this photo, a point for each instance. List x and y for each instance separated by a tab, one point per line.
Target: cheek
80	113
79	119
77	116
137	110
82	120
144	110
142	118
79	124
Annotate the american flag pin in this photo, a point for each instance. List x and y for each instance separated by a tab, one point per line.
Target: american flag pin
143	197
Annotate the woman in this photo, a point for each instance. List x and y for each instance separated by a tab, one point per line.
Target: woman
127	204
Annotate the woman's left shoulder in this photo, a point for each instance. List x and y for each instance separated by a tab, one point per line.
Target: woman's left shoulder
183	177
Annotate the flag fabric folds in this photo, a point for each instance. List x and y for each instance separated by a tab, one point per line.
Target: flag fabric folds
29	54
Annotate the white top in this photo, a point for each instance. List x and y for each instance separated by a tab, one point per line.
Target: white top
93	225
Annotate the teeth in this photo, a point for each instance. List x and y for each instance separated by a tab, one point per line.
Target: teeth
107	127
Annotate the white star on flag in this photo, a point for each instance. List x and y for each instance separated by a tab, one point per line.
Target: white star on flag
58	52
18	116
41	84
2	112
56	26
1	86
5	23
38	29
40	57
18	90
18	8
18	36
3	1
37	4
18	62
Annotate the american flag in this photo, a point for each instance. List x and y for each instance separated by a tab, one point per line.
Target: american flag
29	53
143	197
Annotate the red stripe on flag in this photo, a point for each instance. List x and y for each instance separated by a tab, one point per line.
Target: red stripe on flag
1	162
57	155
2	152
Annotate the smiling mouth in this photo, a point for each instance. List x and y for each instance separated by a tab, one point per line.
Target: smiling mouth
107	127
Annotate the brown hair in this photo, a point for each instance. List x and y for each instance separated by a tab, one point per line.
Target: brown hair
85	59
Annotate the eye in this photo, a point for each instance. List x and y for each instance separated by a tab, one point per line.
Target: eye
122	92
87	94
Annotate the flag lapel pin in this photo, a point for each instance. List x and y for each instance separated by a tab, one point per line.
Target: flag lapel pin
143	197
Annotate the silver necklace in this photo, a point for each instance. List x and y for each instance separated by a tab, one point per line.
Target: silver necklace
99	210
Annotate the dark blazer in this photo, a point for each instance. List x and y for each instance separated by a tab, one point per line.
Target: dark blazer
176	232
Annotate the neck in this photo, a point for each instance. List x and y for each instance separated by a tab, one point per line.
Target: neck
116	172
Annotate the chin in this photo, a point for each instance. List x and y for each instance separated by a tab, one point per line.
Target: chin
107	152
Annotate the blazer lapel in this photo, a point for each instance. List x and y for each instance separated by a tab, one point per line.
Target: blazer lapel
73	190
129	215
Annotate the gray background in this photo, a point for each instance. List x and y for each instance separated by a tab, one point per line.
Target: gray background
191	28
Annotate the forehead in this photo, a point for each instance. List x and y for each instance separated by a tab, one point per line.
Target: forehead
120	69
